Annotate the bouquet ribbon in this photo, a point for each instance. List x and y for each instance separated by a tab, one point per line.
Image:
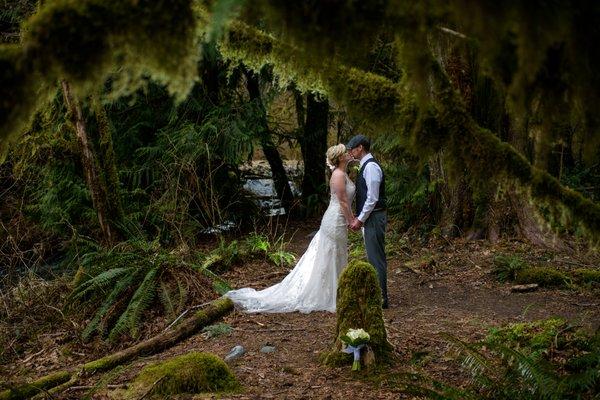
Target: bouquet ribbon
356	351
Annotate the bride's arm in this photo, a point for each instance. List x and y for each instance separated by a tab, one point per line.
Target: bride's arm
338	184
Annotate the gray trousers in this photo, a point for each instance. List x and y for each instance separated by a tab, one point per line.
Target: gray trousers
374	236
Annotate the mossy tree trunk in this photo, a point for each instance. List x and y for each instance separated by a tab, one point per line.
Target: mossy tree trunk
97	190
280	178
358	305
108	166
313	144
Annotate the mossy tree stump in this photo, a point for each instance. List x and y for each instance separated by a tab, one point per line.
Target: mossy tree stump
190	373
359	306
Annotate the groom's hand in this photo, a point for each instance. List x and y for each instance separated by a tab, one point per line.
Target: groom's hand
356	224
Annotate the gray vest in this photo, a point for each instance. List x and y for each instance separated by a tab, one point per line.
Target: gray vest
361	189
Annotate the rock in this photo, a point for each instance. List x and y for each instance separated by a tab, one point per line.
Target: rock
235	353
267	349
524	288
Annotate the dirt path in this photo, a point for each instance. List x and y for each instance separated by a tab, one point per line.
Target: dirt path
451	291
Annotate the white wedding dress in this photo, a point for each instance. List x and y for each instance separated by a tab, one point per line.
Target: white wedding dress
312	284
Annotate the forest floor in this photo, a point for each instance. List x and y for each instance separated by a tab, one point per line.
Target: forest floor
441	286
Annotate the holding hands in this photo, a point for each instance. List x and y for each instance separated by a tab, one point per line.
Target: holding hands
355	225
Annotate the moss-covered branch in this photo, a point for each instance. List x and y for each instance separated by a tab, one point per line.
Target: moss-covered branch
40	385
215	310
84	41
388	106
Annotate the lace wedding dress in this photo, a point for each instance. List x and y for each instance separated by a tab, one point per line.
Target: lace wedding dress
312	284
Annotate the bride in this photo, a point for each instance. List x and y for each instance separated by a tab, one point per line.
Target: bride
312	284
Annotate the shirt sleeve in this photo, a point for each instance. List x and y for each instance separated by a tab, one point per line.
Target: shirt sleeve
373	176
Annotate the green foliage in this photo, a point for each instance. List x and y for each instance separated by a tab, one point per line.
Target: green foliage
221	258
531	338
507	266
217	330
190	373
547	359
282	258
124	281
76	41
258	243
274	251
587	276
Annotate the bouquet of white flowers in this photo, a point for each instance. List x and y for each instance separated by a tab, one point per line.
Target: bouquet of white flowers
355	340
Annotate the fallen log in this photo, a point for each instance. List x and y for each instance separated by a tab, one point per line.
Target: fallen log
524	288
215	310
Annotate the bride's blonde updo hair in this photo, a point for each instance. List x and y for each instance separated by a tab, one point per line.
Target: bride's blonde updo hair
333	155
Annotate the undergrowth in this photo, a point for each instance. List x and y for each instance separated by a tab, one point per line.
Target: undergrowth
548	359
124	282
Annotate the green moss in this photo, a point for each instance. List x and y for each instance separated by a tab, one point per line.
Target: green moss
529	337
587	275
359	306
28	390
543	276
190	373
18	94
83	40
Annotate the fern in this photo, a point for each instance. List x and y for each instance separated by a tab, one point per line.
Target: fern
472	359
119	288
506	267
141	271
219	284
282	258
166	300
536	374
257	243
98	283
141	300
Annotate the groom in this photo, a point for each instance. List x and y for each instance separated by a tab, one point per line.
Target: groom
370	207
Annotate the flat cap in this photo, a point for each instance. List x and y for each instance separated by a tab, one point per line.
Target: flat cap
357	140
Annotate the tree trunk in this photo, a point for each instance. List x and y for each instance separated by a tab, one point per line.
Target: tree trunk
88	161
108	166
280	178
313	144
199	320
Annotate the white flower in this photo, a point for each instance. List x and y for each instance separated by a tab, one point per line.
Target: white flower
355	334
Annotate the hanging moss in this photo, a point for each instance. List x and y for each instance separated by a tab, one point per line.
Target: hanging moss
17	94
444	122
359	306
83	41
190	373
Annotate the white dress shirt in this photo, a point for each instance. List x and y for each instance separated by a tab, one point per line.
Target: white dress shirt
373	176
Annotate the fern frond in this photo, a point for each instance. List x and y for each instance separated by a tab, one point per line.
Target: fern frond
219	284
141	300
282	258
98	283
580	382
119	288
164	294
534	371
183	294
472	359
